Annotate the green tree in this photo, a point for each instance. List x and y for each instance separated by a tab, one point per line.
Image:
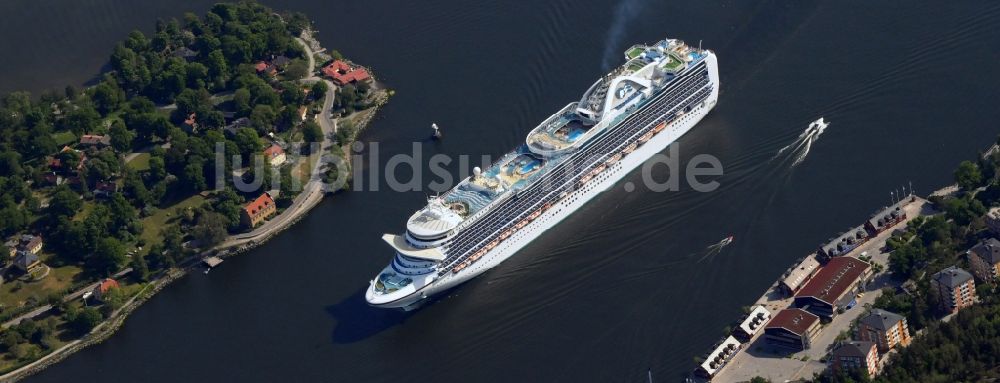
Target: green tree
121	137
211	229
311	132
113	299
297	69
319	89
248	142
262	118
291	94
242	102
968	175
82	120
107	96
193	176
109	256
65	202
85	320
140	269
157	169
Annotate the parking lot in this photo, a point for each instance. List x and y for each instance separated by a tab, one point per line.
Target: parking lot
780	365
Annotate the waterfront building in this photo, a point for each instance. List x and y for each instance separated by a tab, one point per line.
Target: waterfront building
887	218
798	276
102	288
855	355
343	73
752	324
886	329
985	260
956	288
844	243
792	328
257	211
834	287
718	358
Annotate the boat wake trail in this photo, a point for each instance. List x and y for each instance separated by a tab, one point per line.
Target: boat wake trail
715	248
799	149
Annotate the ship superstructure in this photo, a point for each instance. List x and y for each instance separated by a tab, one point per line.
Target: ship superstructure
625	117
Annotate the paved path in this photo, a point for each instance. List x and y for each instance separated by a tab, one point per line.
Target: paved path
74	295
312	193
759	359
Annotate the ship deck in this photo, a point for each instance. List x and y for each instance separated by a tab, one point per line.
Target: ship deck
682	91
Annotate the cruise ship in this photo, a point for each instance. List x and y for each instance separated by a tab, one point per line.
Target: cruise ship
624	118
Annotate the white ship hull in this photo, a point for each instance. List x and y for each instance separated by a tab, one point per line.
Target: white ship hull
576	199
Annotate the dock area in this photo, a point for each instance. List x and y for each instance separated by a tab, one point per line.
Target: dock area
796	287
211	262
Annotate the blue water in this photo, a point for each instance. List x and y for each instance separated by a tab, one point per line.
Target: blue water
565	308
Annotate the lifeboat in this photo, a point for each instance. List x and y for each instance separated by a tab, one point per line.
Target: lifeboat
506	234
584	180
614	159
647	136
493	244
521	224
460	267
534	215
628	149
547	206
479	253
599	169
659	127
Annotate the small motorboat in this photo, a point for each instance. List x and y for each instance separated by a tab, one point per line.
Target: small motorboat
727	240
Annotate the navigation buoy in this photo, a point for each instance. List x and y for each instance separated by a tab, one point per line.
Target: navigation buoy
437	131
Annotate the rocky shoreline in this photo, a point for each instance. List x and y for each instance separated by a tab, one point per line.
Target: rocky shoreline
108	328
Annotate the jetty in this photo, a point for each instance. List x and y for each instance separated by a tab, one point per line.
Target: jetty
818	296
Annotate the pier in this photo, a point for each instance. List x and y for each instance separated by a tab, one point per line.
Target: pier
758	357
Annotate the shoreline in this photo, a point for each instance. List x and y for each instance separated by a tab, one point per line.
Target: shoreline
233	245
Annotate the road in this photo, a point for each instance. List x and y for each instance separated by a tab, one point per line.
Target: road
760	359
71	296
312	193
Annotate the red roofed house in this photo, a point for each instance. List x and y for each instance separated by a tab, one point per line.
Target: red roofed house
56	164
833	287
792	328
275	155
257	211
102	288
264	67
95	139
343	74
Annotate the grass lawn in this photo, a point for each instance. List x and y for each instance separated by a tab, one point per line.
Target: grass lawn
140	162
154	224
303	169
64	138
88	206
14	293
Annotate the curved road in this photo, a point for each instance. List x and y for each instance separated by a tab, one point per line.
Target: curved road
313	191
